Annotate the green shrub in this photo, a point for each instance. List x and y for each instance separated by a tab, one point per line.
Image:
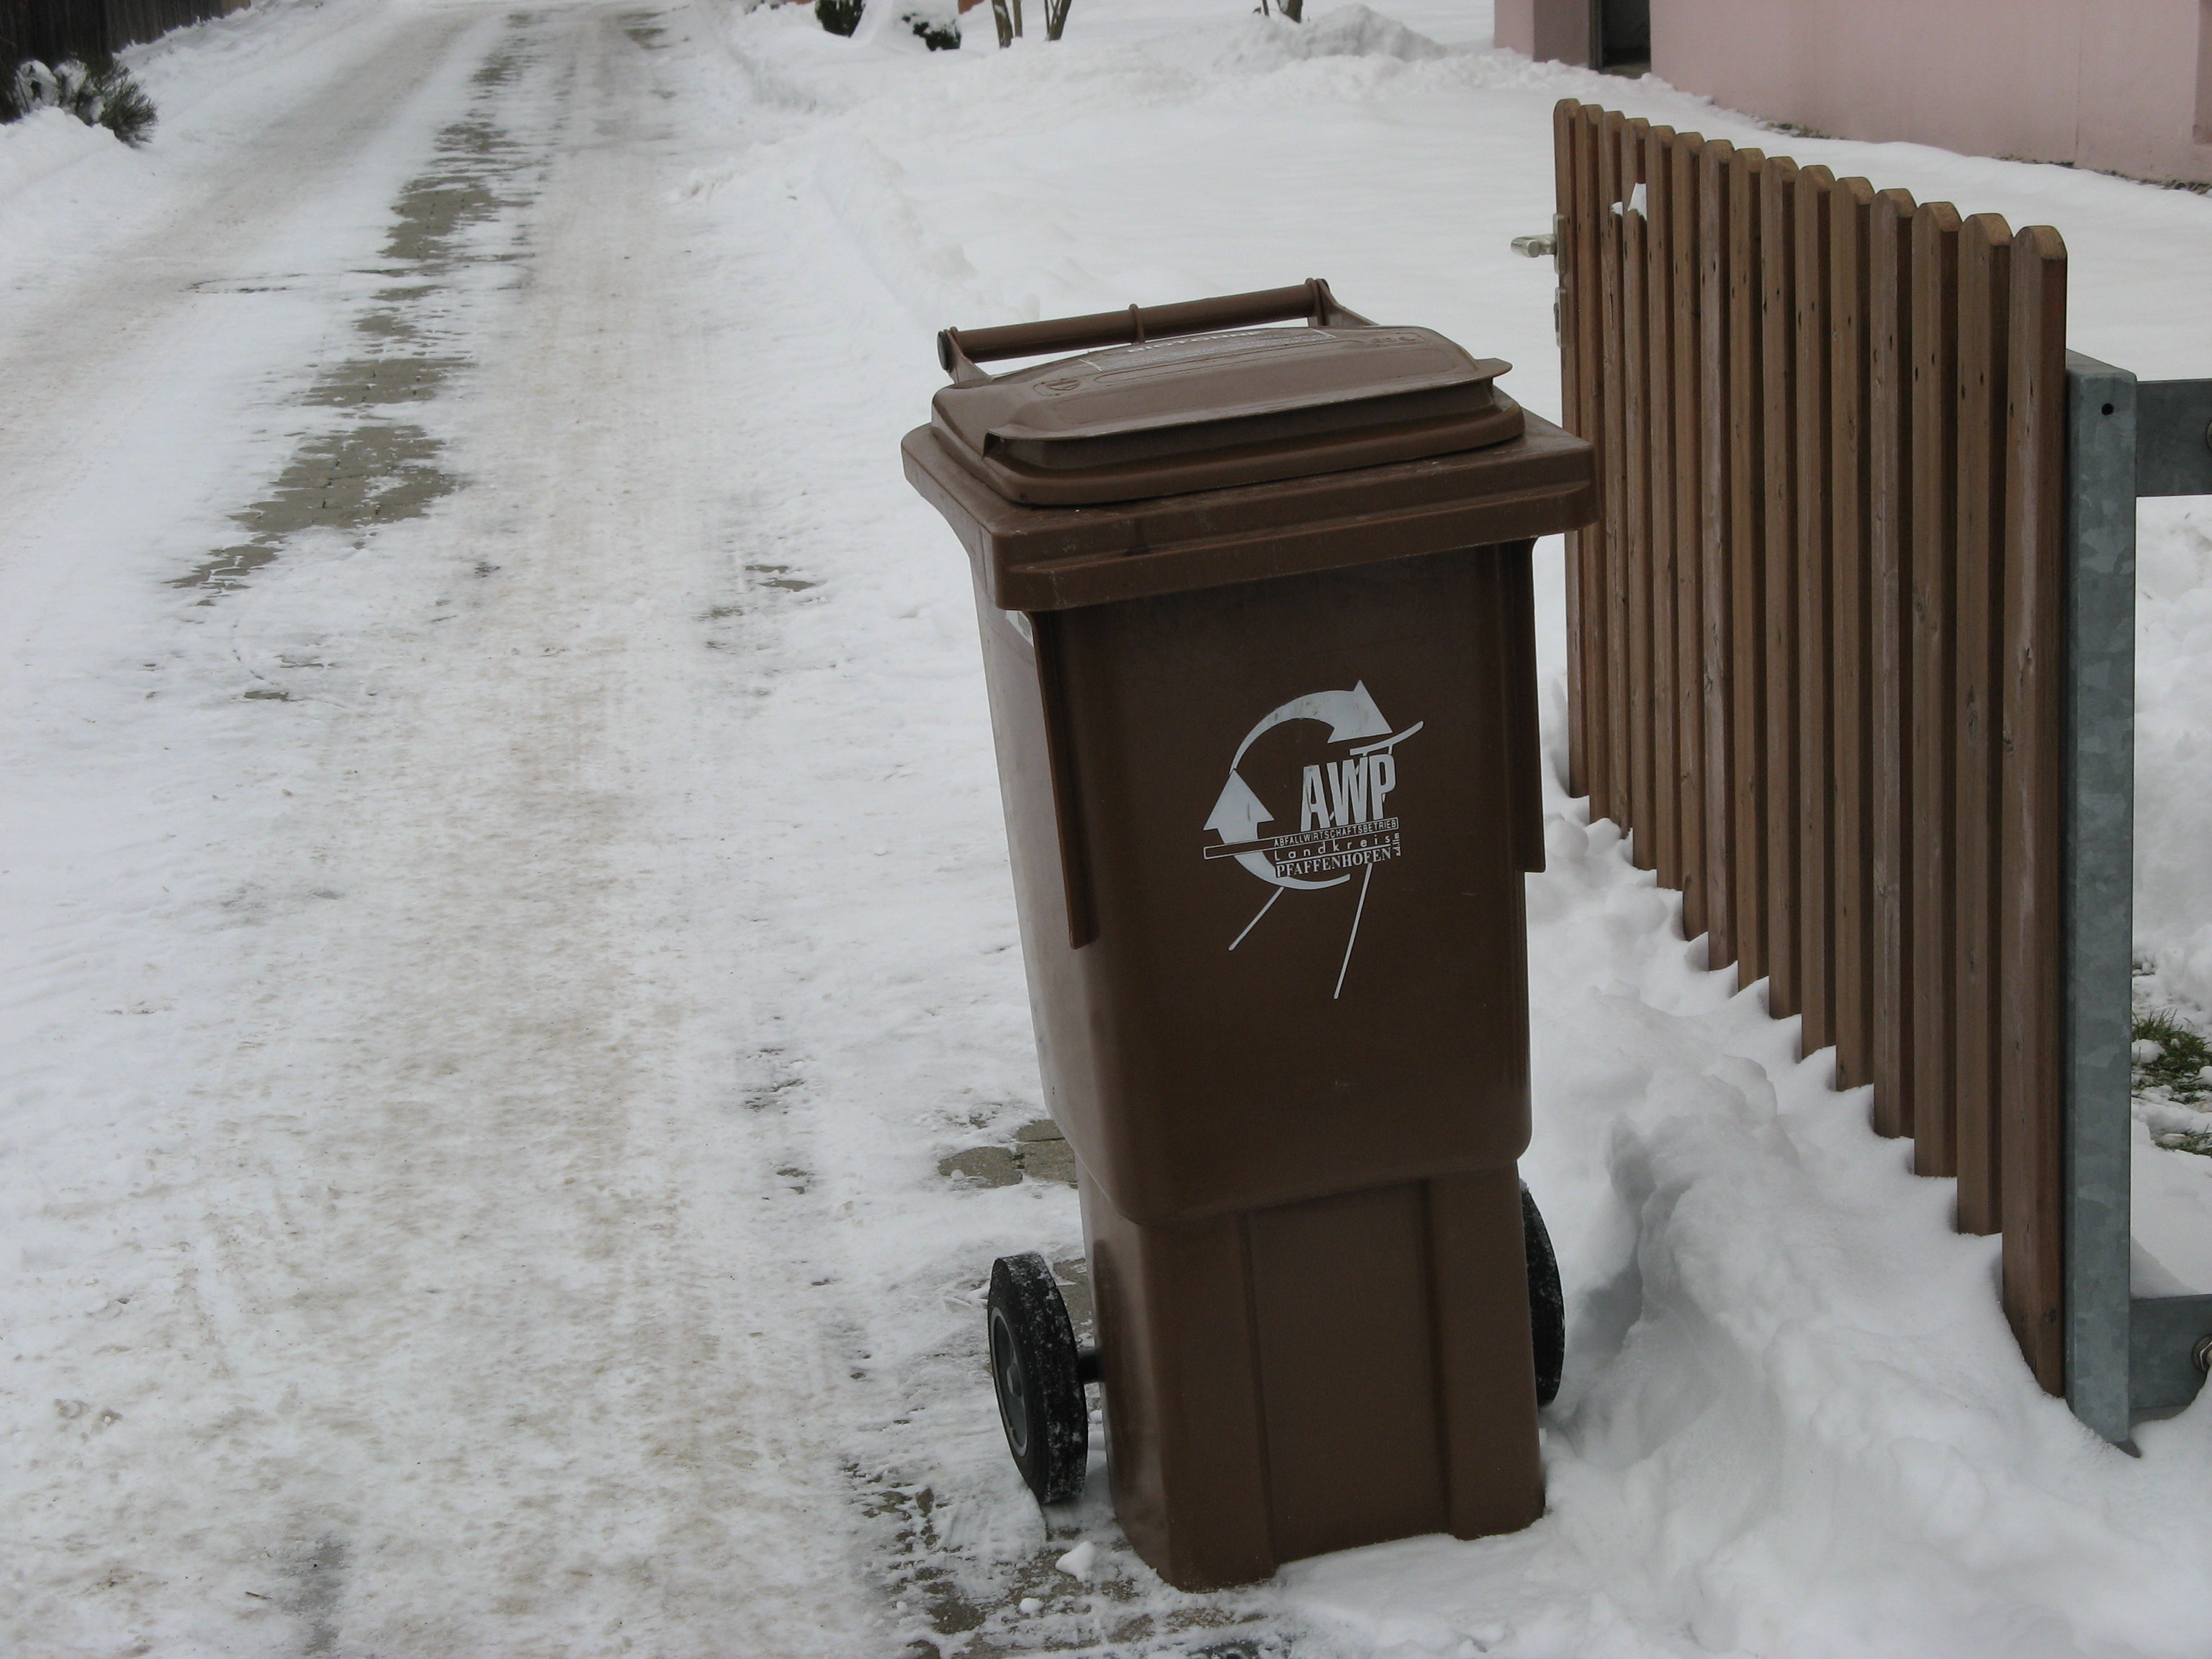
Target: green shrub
126	110
838	16
100	93
937	35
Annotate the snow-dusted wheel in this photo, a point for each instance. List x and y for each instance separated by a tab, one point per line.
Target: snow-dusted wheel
1547	1303
1037	1377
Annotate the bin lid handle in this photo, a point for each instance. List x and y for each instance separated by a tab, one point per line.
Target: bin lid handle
960	351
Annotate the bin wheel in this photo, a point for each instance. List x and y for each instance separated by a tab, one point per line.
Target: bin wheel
1036	1376
1547	1304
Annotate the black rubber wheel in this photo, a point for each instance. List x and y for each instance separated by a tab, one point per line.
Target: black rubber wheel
1547	1304
1035	1375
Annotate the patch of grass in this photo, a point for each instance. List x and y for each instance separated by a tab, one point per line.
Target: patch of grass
2198	1141
2182	1054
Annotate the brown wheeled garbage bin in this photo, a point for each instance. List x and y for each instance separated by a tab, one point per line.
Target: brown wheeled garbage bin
1257	627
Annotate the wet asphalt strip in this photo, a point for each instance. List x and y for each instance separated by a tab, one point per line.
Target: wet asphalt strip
377	465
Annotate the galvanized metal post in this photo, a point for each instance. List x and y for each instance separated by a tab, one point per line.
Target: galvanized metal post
2099	757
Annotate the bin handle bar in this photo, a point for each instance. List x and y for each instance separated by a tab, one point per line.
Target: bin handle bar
960	351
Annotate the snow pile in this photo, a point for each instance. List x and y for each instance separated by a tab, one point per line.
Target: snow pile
2173	740
791	62
1355	32
2173	1136
44	142
1796	1422
2174	899
900	24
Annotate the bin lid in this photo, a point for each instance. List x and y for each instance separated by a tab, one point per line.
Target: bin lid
1058	558
1215	410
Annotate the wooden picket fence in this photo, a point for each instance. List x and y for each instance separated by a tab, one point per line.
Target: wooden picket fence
1815	642
53	30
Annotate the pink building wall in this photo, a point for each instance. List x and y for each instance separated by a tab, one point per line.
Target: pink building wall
1545	29
2122	85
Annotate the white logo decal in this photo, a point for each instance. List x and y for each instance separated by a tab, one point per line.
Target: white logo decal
1343	824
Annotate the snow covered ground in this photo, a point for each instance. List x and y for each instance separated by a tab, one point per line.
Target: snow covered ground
503	907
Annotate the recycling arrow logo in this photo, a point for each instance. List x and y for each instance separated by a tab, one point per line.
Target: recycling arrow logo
1344	824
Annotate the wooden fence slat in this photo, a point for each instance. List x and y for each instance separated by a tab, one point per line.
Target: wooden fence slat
1658	824
1850	209
1985	248
1634	511
1935	529
1815	696
2032	940
1889	506
1746	567
1613	476
1686	540
1716	610
1571	403
1586	305
1778	200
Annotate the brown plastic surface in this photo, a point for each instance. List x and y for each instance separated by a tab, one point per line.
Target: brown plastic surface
1036	559
1212	1039
1213	411
1298	1153
960	349
1269	760
1316	1377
